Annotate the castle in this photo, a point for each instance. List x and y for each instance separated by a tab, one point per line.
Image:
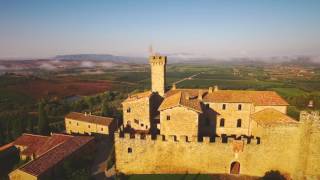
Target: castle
213	131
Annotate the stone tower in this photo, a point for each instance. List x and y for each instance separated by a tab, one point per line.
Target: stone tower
158	73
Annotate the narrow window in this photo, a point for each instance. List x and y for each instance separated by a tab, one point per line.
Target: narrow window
128	110
69	122
129	150
146	127
222	122
77	124
239	123
136	121
101	129
239	107
224	106
141	125
88	126
168	117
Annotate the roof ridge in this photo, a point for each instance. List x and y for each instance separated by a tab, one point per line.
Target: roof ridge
39	135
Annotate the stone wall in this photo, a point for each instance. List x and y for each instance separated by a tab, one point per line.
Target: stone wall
183	121
231	114
139	115
82	127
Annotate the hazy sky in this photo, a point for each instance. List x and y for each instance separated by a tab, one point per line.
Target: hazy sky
43	28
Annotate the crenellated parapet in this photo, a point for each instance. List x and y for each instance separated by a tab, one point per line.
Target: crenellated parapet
187	139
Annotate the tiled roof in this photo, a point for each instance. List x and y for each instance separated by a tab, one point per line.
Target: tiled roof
31	141
90	118
259	98
55	155
136	96
180	99
53	140
272	117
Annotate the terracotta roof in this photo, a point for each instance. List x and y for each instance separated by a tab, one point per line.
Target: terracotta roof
31	141
180	99
90	118
55	155
53	140
136	96
257	97
272	117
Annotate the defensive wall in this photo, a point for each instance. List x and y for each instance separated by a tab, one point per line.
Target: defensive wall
292	150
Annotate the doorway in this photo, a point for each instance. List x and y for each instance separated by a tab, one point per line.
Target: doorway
235	168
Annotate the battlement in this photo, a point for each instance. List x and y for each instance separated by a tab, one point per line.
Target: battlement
158	60
187	139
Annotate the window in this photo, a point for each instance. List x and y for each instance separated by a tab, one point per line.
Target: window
129	150
77	124
239	123
222	122
224	106
128	110
101	129
168	117
146	127
141	125
136	121
239	107
88	126
69	122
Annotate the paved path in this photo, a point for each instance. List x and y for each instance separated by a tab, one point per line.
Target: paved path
187	78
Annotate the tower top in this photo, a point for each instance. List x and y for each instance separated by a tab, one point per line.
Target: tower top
158	59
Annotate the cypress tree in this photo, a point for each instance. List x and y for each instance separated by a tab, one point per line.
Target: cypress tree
43	123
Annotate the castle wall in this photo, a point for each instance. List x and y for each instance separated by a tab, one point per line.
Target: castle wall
183	121
310	145
277	150
231	114
139	115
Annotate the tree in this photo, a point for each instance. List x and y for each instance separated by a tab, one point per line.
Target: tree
43	123
17	128
106	110
273	175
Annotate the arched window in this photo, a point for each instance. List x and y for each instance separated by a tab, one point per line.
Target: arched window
239	123
239	107
222	122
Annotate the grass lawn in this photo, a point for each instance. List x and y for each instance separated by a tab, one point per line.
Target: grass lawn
169	177
289	92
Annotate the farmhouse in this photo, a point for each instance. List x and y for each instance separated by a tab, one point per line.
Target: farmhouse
48	153
80	123
214	131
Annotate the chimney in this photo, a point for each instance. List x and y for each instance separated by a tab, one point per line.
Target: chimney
216	88
174	86
200	95
210	90
187	96
90	113
85	113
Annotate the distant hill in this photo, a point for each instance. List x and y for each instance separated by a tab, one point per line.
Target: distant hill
101	57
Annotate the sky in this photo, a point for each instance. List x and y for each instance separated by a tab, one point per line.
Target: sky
204	28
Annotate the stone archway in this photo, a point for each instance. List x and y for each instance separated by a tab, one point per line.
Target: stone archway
235	168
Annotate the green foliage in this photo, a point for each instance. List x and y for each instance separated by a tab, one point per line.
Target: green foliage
273	175
43	123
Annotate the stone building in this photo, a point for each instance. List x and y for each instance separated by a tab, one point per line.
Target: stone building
48	154
214	131
80	123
